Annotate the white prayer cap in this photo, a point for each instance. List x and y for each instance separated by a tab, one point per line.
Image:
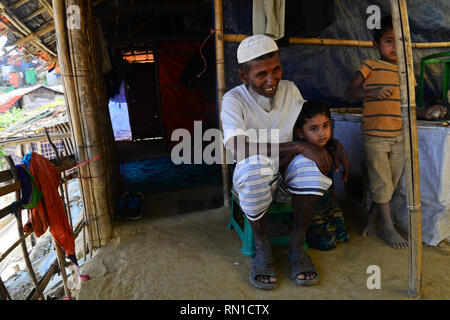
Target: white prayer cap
254	47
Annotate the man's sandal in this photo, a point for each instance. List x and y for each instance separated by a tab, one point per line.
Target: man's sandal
262	265
301	263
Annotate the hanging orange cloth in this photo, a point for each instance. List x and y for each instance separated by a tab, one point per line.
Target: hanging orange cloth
50	210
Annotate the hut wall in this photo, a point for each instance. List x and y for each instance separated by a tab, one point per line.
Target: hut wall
43	147
322	73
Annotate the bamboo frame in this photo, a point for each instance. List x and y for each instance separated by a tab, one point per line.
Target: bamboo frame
18	215
80	43
45	280
409	119
220	67
112	171
34	138
73	108
19	25
40	286
337	42
62	267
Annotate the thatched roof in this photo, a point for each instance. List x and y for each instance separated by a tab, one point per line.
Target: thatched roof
28	24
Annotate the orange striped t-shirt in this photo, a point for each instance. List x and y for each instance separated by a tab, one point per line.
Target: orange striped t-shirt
381	117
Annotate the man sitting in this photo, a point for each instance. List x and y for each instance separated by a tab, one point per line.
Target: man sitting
270	165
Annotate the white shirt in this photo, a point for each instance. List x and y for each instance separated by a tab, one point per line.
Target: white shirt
241	112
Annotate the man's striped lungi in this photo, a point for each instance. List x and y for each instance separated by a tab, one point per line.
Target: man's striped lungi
258	183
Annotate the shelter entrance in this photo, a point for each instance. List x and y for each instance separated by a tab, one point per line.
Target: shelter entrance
142	98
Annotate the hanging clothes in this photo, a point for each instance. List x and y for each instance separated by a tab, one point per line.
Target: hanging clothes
14	79
50	211
30	195
30	76
268	18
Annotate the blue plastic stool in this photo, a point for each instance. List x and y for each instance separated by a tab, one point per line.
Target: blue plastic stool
277	211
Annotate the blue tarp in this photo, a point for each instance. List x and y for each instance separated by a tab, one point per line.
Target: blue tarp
322	73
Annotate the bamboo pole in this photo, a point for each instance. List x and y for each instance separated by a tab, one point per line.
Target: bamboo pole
45	280
14	245
71	96
62	190
220	69
110	162
18	215
85	82
336	42
412	176
62	267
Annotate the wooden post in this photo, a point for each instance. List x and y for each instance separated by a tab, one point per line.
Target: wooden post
412	176
26	257
45	280
72	102
110	161
84	81
62	268
59	252
84	117
61	187
220	69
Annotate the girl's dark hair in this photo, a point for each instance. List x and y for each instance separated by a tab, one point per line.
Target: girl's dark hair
385	26
309	110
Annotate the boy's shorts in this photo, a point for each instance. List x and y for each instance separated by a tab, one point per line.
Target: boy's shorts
385	161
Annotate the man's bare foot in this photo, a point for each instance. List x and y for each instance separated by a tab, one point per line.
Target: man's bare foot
393	238
369	228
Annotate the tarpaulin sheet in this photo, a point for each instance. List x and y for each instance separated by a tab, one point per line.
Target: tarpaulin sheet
434	166
180	105
323	73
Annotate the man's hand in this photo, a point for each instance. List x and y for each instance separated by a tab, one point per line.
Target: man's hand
317	154
340	157
381	93
431	113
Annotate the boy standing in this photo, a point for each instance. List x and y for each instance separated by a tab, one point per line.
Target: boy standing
377	84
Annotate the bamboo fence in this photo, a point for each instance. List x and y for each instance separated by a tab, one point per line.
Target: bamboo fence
60	263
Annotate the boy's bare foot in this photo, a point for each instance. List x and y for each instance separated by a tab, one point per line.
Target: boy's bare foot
393	239
369	228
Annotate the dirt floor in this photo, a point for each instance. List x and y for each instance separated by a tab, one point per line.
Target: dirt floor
172	255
